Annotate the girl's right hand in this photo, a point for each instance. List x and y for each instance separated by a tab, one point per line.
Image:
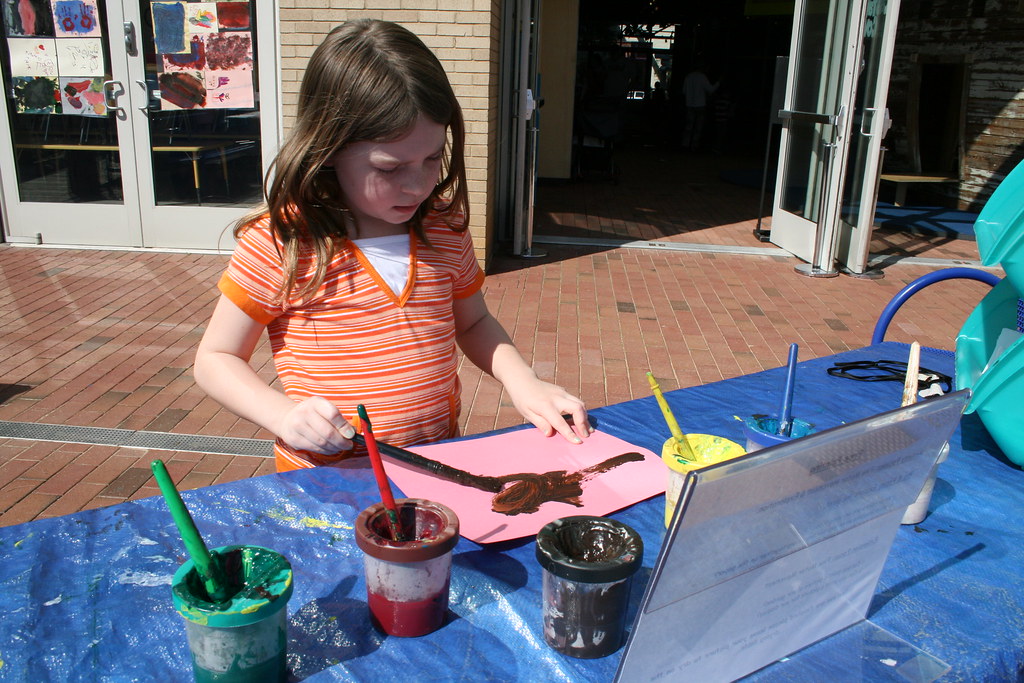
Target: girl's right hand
316	425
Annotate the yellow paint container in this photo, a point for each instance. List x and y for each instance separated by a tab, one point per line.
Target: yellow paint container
706	450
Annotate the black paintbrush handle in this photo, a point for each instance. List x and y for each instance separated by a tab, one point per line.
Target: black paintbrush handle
492	484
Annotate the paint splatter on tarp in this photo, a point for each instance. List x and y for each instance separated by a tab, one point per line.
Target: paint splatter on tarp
182	90
76	18
82	96
233	16
28	18
36	95
169	27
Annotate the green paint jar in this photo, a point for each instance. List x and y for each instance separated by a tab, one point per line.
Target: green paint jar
243	638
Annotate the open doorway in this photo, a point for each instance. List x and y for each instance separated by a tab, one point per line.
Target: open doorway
937	100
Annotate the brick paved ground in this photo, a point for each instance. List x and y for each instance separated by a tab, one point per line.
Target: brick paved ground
106	338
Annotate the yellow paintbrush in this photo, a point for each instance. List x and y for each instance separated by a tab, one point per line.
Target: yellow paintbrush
683	447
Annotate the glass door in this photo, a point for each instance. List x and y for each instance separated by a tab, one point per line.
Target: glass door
822	66
870	124
132	123
525	131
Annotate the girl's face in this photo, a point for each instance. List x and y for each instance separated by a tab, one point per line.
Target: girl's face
383	183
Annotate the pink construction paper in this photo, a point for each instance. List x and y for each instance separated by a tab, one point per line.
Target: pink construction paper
528	450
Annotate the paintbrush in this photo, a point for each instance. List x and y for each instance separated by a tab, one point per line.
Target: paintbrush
207	565
683	449
482	482
378	472
786	411
913	370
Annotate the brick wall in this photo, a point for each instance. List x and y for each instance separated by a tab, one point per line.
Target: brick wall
462	33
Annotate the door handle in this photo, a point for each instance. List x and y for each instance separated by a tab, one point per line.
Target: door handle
110	97
144	107
130	44
873	112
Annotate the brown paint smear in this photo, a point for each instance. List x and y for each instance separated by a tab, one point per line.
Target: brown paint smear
525	492
514	494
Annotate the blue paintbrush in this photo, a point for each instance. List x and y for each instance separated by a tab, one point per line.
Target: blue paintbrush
786	411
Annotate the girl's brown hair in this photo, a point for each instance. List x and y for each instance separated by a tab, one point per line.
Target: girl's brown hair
368	81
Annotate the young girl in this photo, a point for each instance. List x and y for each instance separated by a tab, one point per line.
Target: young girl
360	268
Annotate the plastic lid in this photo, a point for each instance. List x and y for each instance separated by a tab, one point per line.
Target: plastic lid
432	530
589	549
763	430
261	579
708	450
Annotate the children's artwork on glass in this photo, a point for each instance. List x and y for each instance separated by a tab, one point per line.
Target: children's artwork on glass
193	60
82	96
229	71
32	56
35	95
229	51
28	18
76	18
201	17
169	27
182	90
80	56
229	89
233	16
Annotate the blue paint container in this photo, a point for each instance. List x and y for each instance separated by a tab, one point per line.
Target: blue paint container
761	431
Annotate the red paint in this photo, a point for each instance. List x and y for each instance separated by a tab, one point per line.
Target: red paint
409	619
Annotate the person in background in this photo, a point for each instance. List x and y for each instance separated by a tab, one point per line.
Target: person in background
696	89
360	268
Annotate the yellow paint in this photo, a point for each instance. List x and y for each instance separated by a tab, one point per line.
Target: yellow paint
323	524
307	521
281	517
17	544
705	450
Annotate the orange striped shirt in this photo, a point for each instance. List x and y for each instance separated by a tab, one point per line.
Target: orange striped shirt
356	341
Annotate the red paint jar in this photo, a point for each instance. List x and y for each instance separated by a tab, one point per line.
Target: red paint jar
407	581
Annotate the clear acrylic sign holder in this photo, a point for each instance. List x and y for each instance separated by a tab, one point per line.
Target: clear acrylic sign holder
782	548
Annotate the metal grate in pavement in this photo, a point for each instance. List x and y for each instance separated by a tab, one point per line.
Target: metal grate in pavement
128	438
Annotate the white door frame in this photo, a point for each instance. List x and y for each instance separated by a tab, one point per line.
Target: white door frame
813	232
871	123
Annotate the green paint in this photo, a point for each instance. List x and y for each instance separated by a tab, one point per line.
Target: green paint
245	637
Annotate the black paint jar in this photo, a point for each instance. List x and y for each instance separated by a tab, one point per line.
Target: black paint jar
588	564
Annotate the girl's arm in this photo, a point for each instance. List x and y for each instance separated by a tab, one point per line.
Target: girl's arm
222	370
485	342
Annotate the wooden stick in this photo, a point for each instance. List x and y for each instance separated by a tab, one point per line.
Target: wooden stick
913	370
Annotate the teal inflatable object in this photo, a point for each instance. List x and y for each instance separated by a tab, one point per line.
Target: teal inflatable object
1000	227
997	385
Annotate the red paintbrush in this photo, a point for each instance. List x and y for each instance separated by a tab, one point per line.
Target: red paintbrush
382	479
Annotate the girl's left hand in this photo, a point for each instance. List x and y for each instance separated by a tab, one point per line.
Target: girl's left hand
546	405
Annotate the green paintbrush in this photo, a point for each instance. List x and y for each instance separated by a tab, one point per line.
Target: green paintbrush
206	564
